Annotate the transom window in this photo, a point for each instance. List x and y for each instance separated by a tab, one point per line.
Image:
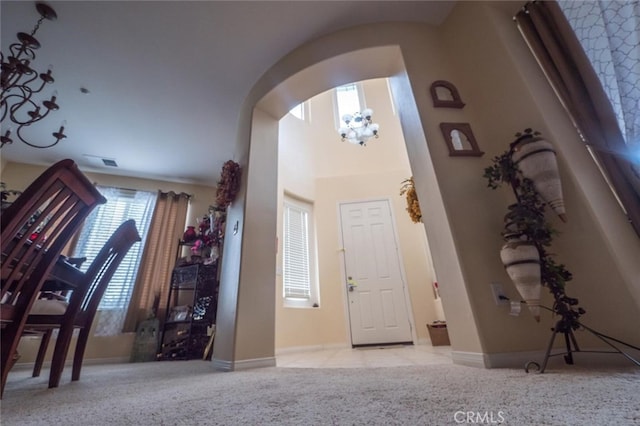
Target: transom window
298	111
349	99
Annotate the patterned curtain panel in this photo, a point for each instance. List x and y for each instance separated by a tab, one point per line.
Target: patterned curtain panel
609	32
568	68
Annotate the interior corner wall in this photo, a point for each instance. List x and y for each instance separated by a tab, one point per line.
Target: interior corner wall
506	93
613	226
246	313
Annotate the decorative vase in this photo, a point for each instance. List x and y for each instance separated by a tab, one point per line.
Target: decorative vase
189	235
536	159
521	260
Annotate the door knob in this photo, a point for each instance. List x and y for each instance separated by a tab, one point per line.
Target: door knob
351	284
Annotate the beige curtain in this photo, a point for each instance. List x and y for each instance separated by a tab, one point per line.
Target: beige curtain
560	55
158	259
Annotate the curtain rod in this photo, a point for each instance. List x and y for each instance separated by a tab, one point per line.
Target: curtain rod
134	190
525	8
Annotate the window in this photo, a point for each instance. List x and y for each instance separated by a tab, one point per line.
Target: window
298	111
608	33
299	272
348	100
121	205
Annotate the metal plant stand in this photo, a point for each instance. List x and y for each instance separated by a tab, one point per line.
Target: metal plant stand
565	326
526	220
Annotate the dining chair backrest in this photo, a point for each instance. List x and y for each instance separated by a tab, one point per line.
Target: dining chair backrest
102	268
35	228
85	299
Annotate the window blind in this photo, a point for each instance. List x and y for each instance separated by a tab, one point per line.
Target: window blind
121	205
296	275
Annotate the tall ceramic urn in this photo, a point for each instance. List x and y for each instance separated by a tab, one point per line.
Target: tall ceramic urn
521	260
536	159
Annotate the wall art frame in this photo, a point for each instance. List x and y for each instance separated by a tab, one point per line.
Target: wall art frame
457	147
440	101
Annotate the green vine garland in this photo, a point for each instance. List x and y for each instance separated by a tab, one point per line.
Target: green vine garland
527	218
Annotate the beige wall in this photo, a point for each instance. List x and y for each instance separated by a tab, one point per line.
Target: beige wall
314	164
19	176
505	93
479	49
337	59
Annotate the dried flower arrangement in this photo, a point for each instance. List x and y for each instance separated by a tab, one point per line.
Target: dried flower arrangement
209	236
413	206
228	185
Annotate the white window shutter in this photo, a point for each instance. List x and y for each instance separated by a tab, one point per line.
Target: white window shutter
296	277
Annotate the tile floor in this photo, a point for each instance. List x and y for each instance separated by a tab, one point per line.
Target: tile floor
368	357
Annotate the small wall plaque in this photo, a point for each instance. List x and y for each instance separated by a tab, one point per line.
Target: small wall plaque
460	140
445	95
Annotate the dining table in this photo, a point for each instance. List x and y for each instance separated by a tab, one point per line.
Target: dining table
64	276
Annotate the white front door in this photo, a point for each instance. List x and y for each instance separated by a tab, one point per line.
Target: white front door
375	289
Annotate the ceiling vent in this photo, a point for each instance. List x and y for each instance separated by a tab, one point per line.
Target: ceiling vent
99	161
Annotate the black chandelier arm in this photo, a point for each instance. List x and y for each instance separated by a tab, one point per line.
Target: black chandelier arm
34	116
19	85
23	100
19	49
4	109
27	91
58	139
11	79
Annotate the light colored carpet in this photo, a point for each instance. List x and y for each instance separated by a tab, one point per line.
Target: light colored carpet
192	393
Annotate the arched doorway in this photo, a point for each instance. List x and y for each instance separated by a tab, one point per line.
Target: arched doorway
318	174
245	336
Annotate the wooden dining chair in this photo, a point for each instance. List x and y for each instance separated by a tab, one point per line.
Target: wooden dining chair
82	306
34	230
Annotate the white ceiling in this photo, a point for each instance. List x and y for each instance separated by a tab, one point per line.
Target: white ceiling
167	78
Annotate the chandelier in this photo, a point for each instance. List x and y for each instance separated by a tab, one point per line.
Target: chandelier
20	83
359	127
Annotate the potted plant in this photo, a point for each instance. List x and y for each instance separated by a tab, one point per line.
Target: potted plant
526	225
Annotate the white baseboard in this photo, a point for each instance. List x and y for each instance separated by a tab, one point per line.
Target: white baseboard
470	359
423	341
311	348
521	359
246	364
222	365
243	364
